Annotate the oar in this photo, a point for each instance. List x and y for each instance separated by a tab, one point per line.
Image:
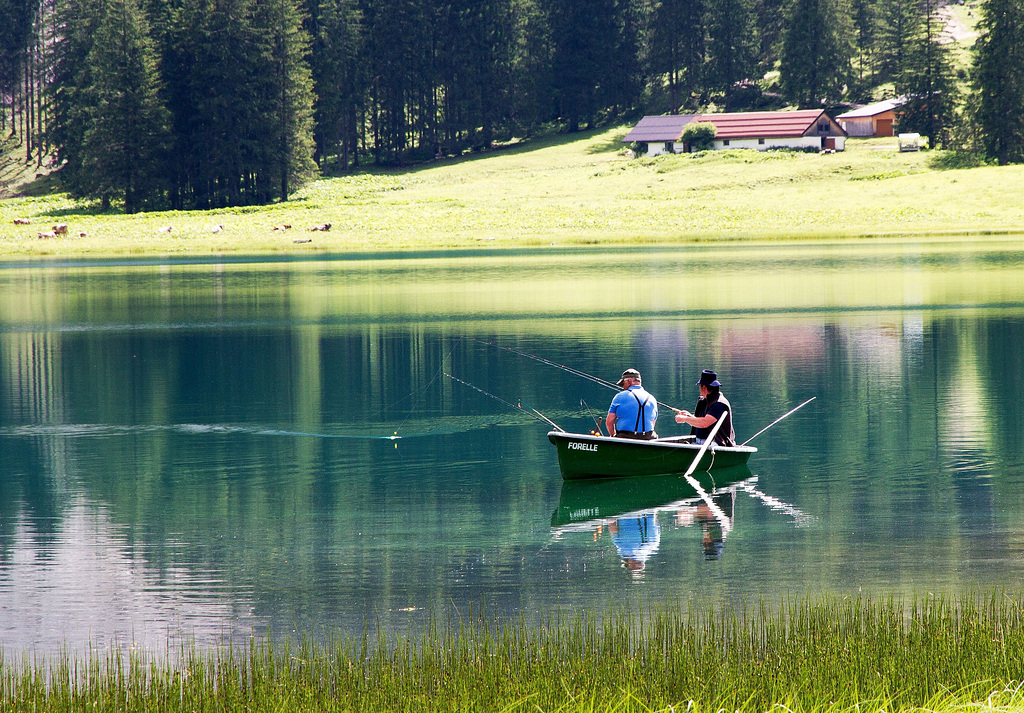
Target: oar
712	505
777	420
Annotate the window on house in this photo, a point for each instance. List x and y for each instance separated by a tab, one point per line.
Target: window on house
668	146
761	141
725	142
823	127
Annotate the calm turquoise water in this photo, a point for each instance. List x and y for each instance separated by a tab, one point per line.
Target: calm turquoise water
208	449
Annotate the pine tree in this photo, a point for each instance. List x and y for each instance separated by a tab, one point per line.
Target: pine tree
531	79
999	79
676	48
15	38
866	26
771	27
396	46
901	22
928	82
335	27
287	107
816	53
123	147
70	98
732	43
584	51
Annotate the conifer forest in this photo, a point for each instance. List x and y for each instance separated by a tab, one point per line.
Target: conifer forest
189	104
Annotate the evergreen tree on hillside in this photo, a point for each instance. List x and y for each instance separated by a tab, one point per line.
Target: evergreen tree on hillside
71	100
999	79
901	23
624	77
15	38
815	61
676	48
397	53
124	143
213	69
732	43
285	92
866	27
928	82
771	26
335	27
475	60
531	80
583	34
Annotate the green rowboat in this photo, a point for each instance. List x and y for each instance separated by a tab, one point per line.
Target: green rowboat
585	456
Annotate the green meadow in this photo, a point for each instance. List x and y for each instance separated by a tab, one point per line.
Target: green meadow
584	189
814	654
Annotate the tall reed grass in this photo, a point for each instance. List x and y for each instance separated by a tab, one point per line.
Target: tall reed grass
811	654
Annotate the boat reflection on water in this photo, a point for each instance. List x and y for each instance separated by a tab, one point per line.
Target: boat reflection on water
629	508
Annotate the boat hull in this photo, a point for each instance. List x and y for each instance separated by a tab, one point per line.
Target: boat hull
583	456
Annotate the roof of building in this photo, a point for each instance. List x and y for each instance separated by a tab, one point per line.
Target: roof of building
735	125
659	128
874	109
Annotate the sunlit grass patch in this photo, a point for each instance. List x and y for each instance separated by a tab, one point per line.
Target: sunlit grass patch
561	190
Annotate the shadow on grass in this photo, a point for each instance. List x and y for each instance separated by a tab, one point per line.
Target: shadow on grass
524	145
612	145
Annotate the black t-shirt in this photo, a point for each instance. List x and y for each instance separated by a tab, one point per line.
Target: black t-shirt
715	406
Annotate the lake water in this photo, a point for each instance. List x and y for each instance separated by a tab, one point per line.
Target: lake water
208	449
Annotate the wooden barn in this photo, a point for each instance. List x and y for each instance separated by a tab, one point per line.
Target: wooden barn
878	119
760	130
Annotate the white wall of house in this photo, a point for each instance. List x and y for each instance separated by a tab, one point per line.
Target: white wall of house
793	142
658	148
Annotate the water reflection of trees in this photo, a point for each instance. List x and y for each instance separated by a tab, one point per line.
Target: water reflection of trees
902	397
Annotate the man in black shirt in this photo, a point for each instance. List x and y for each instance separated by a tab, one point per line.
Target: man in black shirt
712	406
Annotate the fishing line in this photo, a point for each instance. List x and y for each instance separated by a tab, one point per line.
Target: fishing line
571	370
533	413
105	430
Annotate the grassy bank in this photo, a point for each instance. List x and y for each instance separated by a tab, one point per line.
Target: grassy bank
821	654
560	190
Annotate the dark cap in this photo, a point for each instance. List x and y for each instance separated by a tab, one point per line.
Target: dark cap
628	373
708	378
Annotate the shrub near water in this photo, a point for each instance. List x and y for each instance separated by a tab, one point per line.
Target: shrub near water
810	655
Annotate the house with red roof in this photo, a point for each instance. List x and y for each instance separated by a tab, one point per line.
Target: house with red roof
760	130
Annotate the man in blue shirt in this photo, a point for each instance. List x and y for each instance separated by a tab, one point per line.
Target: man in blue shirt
633	410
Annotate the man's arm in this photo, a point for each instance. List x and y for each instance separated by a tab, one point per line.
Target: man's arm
699	421
609	423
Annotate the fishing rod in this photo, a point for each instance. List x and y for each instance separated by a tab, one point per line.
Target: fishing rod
777	420
597	421
571	370
518	407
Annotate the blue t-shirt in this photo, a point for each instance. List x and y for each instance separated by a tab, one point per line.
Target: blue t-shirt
627	406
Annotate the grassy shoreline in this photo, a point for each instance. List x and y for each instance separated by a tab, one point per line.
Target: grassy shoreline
559	191
822	653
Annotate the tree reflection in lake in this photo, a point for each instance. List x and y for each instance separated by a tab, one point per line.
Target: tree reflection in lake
210	444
